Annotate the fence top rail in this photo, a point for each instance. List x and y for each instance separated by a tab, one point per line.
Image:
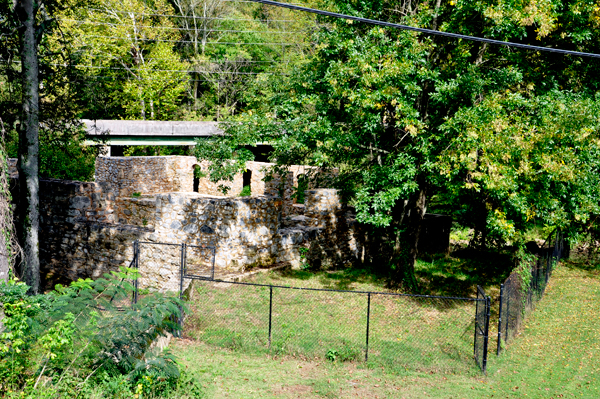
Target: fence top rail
202	246
177	245
158	243
480	291
349	291
550	238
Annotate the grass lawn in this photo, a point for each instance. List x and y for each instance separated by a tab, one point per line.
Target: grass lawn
557	355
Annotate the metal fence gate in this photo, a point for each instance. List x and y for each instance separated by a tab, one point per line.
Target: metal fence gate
482	328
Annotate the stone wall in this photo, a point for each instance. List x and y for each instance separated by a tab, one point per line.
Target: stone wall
138	211
242	229
322	205
69	251
88	229
246	232
146	175
151	175
73	201
12	168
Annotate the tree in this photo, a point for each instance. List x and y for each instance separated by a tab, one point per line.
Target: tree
20	21
36	101
229	44
126	49
6	222
393	109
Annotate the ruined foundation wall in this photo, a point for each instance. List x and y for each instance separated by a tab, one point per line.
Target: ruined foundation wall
146	175
138	211
242	229
69	251
88	229
74	201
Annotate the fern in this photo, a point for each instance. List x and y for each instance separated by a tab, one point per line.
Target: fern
90	328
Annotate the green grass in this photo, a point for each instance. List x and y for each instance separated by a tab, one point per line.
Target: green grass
428	334
460	273
555	356
246	191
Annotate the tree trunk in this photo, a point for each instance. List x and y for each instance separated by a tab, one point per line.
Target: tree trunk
4	262
408	219
28	164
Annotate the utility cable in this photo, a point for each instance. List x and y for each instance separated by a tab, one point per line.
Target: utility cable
80	22
189	16
426	31
186	41
146	68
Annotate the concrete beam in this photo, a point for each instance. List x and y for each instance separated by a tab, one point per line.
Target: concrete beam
150	129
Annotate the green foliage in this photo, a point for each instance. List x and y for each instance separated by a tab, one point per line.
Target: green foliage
500	139
331	355
299	190
79	339
175	59
8	245
538	164
228	159
246	191
158	150
345	354
525	263
64	154
303	251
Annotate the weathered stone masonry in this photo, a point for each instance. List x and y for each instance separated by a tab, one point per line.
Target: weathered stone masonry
89	228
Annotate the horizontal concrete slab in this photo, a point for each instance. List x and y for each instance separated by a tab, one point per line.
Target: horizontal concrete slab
174	140
151	128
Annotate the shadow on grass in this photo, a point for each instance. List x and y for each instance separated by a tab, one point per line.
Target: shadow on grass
455	275
345	279
586	267
460	273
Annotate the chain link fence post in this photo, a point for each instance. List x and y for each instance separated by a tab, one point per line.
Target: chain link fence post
136	256
368	320
181	277
488	304
270	314
500	319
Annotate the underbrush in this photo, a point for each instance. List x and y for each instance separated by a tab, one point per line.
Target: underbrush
87	340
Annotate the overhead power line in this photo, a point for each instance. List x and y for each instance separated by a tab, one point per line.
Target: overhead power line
80	22
426	31
188	61
142	69
188	16
149	69
187	41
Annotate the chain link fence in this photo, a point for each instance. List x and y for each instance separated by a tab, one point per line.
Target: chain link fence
525	287
396	331
392	330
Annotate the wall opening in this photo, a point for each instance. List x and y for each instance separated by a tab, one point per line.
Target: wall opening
196	178
302	186
246	184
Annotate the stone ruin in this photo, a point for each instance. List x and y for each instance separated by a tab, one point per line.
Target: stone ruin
88	228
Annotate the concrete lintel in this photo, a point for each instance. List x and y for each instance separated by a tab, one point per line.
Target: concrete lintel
151	128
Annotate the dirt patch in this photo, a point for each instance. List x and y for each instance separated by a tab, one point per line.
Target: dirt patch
298	391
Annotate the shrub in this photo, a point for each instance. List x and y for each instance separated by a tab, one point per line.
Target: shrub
86	336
